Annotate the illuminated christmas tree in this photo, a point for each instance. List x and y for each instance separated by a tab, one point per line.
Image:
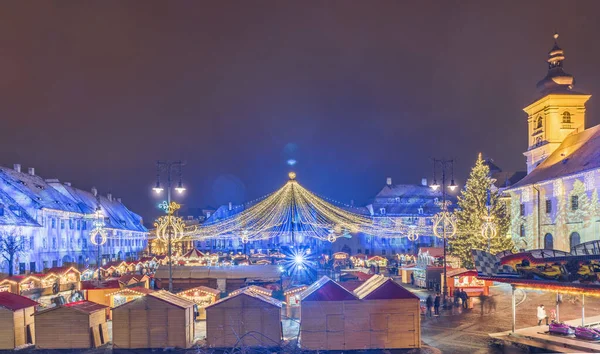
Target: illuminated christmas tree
473	202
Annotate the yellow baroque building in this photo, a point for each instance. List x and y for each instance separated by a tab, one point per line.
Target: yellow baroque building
556	205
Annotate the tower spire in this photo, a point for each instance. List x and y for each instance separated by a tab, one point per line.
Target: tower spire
556	79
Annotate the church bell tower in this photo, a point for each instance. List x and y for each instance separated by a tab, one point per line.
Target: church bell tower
559	112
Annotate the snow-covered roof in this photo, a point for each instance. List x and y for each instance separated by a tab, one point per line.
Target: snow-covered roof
31	191
577	153
27	192
12	213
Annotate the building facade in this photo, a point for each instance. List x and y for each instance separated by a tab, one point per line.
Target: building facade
54	221
556	205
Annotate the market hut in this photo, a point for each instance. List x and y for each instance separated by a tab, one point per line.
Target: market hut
21	284
254	288
158	320
466	279
248	318
68	278
16	322
292	301
96	291
76	325
124	295
377	261
134	280
330	317
391	313
202	296
114	268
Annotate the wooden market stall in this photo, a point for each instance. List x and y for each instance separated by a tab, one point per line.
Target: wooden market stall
124	295
254	288
466	279
112	269
377	261
229	320
134	280
21	284
292	301
392	316
67	278
16	320
96	291
158	320
328	312
202	296
223	278
76	325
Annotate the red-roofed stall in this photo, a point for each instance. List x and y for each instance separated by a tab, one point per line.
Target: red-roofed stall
247	318
466	279
328	316
391	316
76	325
16	320
158	320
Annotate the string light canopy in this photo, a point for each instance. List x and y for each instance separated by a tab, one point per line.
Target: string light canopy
295	210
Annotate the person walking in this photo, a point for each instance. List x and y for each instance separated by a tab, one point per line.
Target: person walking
429	304
541	315
465	299
456	297
482	299
436	304
412	279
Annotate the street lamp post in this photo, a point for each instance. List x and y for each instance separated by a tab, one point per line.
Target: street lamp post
444	218
168	167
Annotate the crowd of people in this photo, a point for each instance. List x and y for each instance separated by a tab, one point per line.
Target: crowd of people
461	300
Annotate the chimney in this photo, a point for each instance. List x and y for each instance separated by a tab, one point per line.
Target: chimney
119	200
389	181
94	191
31	171
424	182
68	184
109	196
230	206
17	167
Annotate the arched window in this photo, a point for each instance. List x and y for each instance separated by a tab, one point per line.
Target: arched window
548	242
538	141
522	230
539	123
574	239
566	117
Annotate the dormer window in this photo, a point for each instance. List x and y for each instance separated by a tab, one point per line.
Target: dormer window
539	123
420	211
566	117
382	211
397	199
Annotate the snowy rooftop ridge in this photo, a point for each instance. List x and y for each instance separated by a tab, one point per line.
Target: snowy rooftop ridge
23	193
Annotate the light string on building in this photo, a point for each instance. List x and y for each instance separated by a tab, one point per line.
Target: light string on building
294	210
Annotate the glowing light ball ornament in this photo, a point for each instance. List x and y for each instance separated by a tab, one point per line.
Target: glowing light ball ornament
413	234
292	175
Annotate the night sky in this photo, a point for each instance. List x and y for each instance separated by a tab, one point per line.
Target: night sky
95	92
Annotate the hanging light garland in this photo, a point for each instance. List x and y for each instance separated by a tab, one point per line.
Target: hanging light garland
98	234
170	222
488	227
444	223
294	209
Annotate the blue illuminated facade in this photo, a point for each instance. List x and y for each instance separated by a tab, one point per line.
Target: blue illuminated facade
55	220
